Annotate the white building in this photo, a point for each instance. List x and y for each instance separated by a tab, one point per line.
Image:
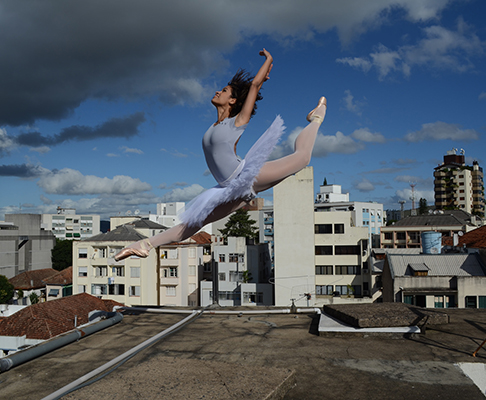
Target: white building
170	275
66	225
240	274
24	244
317	253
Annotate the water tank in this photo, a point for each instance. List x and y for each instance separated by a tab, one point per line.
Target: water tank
431	242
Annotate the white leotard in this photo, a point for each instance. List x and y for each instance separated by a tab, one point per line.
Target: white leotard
219	148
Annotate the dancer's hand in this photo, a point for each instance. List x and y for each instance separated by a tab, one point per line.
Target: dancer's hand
269	59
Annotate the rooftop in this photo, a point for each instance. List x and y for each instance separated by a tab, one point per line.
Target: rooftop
444	218
30	280
262	356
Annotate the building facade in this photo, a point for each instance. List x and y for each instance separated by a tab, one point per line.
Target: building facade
320	257
66	225
24	244
459	186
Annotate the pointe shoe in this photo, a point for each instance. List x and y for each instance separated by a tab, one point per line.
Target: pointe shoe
311	116
142	252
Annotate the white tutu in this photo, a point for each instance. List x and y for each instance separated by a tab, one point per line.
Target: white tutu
240	187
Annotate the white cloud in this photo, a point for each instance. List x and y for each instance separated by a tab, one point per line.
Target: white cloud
324	145
131	150
440	48
41	149
184	194
364	186
365	135
175	153
406	195
71	182
351	104
441	131
6	143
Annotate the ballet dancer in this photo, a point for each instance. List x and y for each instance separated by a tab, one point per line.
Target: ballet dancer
238	180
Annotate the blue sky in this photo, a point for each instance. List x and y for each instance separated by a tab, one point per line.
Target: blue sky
103	104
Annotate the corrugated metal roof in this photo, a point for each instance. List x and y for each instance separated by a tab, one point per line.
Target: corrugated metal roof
145	223
438	264
446	218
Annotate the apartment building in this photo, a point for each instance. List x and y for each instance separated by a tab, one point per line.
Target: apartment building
239	273
24	244
66	225
320	257
406	233
170	275
459	186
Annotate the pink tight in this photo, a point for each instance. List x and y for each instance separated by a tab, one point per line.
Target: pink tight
271	173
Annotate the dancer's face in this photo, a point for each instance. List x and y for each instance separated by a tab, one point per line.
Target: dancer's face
223	97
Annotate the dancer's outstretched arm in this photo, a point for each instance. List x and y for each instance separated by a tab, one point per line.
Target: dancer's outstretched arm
263	75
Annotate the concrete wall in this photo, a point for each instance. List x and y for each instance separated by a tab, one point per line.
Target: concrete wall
294	238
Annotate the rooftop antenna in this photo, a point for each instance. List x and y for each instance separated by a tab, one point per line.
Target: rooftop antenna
412	185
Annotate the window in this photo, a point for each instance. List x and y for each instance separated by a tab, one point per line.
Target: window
252	297
192	253
98	290
222	276
170	272
116	289
221	258
170	291
207	267
388	235
235	276
134	291
233	257
338	228
101	271
471	302
118	271
100	252
323	269
83	271
347	270
439	301
81	288
348	290
192	270
323	228
324	290
341	250
323	251
400	235
134	272
82	253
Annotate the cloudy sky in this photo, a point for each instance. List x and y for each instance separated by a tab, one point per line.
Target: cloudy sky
103	104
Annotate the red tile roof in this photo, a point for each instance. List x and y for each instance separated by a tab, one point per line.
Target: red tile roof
198	238
64	277
475	239
51	318
29	280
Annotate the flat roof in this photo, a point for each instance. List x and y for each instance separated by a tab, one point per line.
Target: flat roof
254	356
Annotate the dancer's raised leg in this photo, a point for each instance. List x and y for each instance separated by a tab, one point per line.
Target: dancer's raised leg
275	171
177	233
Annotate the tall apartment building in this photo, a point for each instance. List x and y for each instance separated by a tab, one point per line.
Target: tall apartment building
239	273
321	254
66	225
459	186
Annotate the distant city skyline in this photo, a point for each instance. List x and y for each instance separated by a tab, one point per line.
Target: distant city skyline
104	111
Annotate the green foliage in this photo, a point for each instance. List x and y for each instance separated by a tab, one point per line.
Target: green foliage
6	290
34	298
325	182
247	277
422	206
20	294
239	224
62	254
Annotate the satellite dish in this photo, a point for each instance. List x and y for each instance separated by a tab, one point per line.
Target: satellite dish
137	212
128	212
460	233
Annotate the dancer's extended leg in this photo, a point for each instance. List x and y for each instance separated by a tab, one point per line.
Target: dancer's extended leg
177	233
276	171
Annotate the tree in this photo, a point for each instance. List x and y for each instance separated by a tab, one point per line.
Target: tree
325	182
240	224
34	298
422	206
6	290
62	254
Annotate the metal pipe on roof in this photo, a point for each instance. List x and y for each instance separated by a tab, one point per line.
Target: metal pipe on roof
40	349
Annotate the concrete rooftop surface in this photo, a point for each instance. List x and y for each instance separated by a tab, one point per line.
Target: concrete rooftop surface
263	356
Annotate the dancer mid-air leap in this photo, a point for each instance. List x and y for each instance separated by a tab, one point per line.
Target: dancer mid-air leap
238	180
